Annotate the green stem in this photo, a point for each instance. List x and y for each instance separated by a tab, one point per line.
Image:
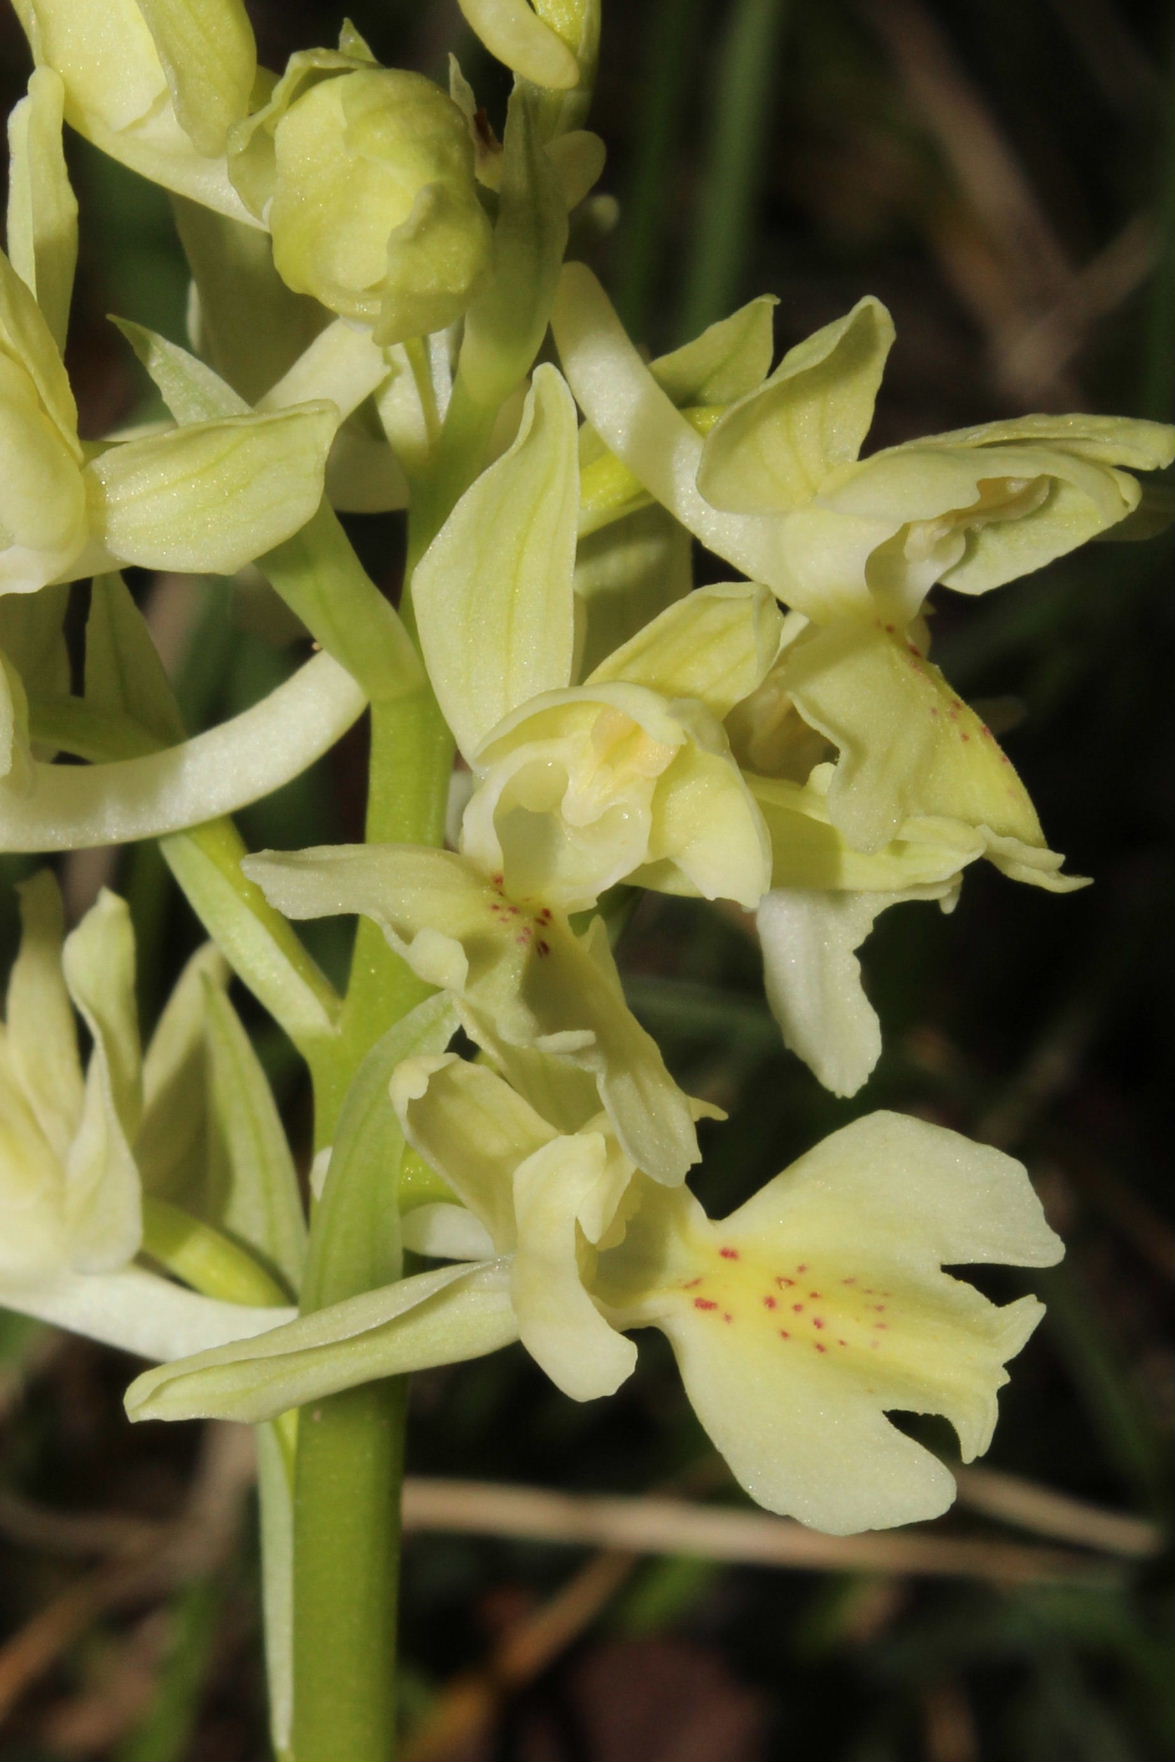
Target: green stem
350	1453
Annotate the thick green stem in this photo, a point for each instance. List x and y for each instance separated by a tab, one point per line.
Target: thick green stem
350	1454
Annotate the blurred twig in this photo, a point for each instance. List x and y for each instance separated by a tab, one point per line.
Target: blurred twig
1035	277
195	1544
1049	1513
671	1526
530	1646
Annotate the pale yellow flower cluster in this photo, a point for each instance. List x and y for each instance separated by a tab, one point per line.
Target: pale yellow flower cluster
781	741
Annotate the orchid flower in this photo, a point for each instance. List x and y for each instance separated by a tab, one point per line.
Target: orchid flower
204	496
76	1142
156	84
627	776
854	745
798	1322
877	784
545	1004
777	486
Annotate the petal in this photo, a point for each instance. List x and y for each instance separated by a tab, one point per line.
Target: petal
726	361
208	55
820	1303
715	645
433	1318
639	424
72	807
532	993
474	1130
773	450
909	747
25	336
910	1192
42	208
117	93
813	979
562	808
1129	441
707	834
103	1198
809	853
34	1242
800	1445
555	1190
141	1313
42	1042
493	592
44	524
527	45
212	495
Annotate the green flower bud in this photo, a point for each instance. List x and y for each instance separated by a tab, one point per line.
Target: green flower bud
375	209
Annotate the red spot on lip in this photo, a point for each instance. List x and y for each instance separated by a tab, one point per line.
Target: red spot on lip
543	947
817	1321
728	1318
842	1342
729	1253
881	1325
704	1303
783	1334
798	1308
692	1283
784	1284
820	1346
769	1303
802	1268
877	1308
815	1295
851	1281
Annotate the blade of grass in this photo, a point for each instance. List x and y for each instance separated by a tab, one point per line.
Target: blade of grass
747	76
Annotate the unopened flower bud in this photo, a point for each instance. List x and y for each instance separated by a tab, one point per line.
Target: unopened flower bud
375	209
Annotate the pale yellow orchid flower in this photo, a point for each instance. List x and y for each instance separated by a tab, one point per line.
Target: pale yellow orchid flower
626	776
545	1004
777	486
156	84
204	496
798	1322
75	1140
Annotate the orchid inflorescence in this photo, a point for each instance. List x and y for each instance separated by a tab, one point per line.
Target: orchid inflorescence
780	741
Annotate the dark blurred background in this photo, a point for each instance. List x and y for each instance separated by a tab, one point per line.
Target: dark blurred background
1002	174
